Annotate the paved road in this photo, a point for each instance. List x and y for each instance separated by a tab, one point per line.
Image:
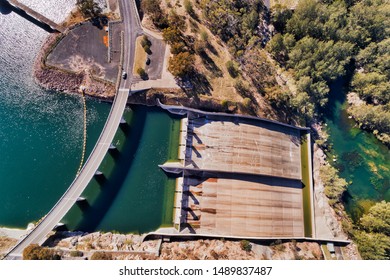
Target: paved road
38	234
132	28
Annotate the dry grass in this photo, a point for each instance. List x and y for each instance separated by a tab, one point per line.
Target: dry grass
140	56
74	17
6	243
222	84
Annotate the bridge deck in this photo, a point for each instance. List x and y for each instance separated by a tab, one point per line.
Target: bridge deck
36	15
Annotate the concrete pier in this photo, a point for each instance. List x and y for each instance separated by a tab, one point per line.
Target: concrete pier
35	15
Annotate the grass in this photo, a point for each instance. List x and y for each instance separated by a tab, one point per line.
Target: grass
140	56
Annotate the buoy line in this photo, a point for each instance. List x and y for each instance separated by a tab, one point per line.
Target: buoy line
84	134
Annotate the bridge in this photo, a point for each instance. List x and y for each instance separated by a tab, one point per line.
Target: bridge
39	233
30	13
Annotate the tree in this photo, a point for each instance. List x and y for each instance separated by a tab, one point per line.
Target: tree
36	252
181	64
101	256
246	245
89	8
334	185
373	246
142	73
172	35
279	17
152	7
232	69
378	218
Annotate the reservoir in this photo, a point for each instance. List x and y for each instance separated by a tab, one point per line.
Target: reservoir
41	138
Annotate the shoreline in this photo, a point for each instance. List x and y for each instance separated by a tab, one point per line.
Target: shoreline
52	78
14	233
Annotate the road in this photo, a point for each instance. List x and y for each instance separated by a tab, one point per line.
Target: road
38	235
132	28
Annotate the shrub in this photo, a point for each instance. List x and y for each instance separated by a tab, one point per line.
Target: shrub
142	73
76	254
101	256
232	69
246	245
188	7
36	252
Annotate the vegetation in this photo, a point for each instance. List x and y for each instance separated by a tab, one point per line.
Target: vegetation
321	40
334	185
234	21
181	64
146	44
232	69
374	238
152	7
246	245
89	8
372	83
142	73
378	218
76	254
101	256
36	252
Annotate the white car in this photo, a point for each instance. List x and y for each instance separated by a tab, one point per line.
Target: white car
124	75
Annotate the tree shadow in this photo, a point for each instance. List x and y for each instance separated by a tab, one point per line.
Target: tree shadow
211	48
210	65
195	84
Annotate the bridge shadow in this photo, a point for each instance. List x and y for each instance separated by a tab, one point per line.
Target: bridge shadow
6	8
94	214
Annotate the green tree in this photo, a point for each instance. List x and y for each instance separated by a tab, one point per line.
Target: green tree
373	246
334	185
279	16
232	68
246	245
172	35
378	218
89	8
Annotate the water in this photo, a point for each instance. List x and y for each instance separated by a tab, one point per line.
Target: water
361	158
41	137
136	196
41	132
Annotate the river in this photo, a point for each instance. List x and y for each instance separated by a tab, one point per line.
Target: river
362	160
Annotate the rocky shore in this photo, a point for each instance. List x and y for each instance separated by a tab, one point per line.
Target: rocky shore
53	78
133	247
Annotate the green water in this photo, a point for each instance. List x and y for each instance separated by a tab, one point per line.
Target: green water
306	193
361	158
135	195
40	150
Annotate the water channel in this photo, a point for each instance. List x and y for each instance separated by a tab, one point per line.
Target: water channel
362	160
